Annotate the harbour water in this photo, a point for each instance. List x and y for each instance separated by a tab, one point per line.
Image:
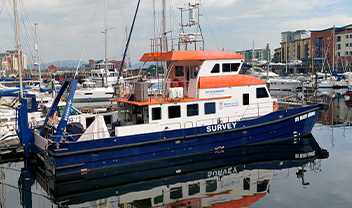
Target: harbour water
313	171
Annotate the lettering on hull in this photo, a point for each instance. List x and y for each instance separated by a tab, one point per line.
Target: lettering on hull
304	116
221	127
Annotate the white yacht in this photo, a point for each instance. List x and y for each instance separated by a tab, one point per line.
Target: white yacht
274	80
89	92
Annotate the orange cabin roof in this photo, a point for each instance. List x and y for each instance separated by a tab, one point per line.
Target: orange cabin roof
228	81
190	56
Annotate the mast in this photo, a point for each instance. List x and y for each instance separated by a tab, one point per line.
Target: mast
163	38
286	52
333	49
105	34
36	48
18	48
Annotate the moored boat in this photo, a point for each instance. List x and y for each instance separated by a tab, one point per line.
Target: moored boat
216	109
204	105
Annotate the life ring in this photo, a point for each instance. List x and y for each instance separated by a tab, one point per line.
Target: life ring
175	83
275	105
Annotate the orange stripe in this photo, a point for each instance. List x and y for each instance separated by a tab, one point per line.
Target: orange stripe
228	81
190	55
157	101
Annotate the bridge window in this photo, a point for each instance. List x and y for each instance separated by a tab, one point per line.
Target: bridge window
156	113
247	184
216	68
209	108
174	111
192	110
226	67
262	93
193	189
230	67
211	186
176	193
235	66
179	71
246	99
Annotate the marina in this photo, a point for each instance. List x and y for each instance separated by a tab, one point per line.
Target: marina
289	173
186	126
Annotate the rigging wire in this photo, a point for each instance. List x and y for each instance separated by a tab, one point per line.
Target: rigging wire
85	43
211	30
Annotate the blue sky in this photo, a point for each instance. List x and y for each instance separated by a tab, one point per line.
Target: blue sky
230	24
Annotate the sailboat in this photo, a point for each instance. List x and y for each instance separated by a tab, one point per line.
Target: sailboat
205	105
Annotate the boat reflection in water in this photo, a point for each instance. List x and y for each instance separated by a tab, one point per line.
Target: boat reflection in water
235	177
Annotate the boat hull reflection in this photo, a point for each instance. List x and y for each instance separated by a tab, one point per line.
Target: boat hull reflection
232	176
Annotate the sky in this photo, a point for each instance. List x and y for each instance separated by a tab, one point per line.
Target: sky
72	29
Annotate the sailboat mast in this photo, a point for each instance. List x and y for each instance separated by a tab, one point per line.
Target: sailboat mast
36	48
333	49
163	38
19	59
105	34
164	48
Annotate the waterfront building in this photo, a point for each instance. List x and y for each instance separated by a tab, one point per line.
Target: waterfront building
9	62
334	41
295	45
260	54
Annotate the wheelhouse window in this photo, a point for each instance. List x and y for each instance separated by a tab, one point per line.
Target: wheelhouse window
179	71
193	189
209	108
192	110
230	67
262	93
216	68
246	99
174	111
235	66
226	67
156	113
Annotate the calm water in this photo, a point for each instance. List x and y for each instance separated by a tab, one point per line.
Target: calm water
309	172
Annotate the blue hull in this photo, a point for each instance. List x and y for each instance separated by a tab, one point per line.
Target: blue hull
146	176
75	157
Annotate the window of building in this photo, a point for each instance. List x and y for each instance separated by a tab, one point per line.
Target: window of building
192	110
350	36
338	38
350	44
346	53
346	36
346	44
338	54
216	68
156	113
174	111
350	53
209	108
338	46
262	93
246	99
179	71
